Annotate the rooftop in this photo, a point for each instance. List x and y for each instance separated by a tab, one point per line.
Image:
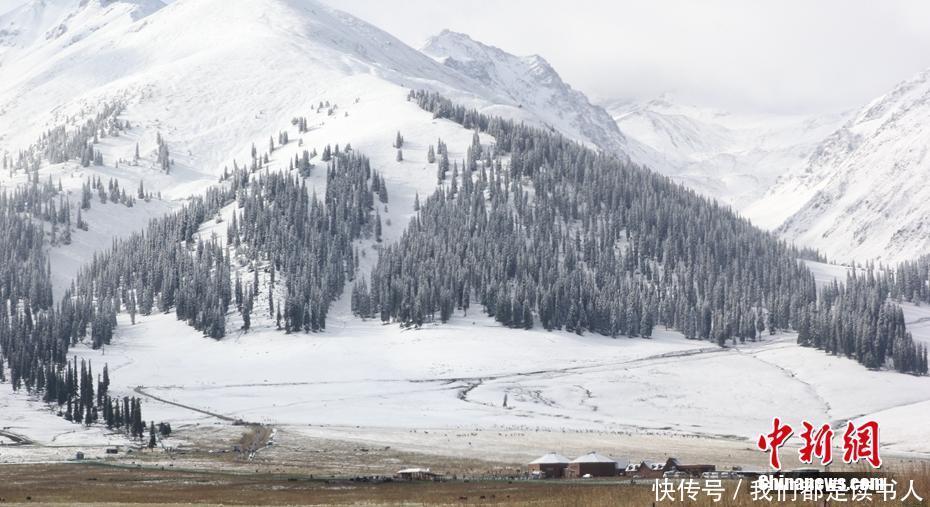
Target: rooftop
553	458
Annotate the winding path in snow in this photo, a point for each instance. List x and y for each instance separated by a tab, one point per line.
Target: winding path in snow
16	438
791	375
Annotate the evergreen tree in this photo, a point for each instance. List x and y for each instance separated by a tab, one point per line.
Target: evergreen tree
152	441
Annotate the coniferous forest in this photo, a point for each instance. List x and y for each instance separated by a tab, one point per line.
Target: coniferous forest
533	229
590	242
277	226
35	333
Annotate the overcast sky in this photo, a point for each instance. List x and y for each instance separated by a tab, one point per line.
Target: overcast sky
780	56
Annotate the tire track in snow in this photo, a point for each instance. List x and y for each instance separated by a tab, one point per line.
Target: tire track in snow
827	408
463	385
917	321
16	438
576	369
473	383
837	423
142	392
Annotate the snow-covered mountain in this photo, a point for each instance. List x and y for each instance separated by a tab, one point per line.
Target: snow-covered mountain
213	77
734	158
860	194
60	23
532	85
194	67
843	183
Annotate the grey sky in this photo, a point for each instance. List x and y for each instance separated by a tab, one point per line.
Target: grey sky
785	56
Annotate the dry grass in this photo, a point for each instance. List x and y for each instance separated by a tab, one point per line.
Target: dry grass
70	484
254	438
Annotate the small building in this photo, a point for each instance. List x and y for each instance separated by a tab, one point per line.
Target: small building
673	465
592	465
645	469
417	474
79	456
112	450
550	466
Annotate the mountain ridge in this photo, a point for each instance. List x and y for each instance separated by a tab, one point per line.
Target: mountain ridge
855	198
166	52
558	104
210	95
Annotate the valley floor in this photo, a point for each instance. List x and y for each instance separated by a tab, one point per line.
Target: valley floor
471	390
467	392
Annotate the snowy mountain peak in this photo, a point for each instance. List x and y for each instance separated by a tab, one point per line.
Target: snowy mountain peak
22	25
490	64
531	83
209	52
461	47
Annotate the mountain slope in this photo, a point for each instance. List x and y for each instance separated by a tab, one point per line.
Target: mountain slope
732	157
859	194
58	24
192	69
531	84
25	23
182	69
213	78
183	77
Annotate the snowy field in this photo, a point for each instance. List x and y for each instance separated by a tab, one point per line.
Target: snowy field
470	385
377	383
31	432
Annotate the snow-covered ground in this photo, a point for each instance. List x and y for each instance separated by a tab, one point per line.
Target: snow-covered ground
31	431
385	385
382	379
825	273
456	376
917	318
364	379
